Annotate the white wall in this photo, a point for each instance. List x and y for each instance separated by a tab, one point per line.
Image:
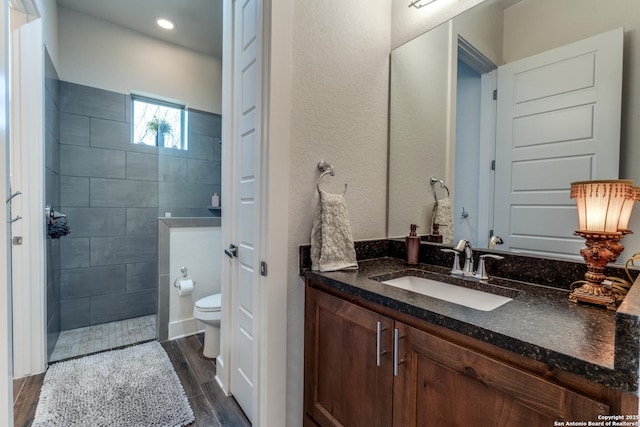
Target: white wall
339	97
192	248
99	54
572	20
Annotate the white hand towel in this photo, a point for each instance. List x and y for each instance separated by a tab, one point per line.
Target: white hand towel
443	216
331	241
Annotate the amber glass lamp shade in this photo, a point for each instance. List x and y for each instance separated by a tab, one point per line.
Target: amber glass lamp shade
604	209
600	204
627	208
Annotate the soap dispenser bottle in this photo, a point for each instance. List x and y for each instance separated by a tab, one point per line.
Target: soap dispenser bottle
412	246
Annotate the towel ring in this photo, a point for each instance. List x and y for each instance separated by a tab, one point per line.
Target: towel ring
322	175
434	181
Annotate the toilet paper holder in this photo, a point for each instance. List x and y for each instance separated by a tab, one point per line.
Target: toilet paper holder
183	270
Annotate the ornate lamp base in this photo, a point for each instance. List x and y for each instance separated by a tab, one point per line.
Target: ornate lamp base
590	294
601	249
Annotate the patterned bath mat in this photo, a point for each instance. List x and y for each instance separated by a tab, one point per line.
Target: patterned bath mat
136	386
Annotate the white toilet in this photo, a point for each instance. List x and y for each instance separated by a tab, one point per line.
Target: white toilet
207	310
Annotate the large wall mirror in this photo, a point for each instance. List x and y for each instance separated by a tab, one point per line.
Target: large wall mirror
565	76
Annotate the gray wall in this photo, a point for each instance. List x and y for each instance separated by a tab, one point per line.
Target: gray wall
112	192
52	196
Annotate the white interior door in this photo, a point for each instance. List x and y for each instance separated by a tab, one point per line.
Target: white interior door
558	122
246	223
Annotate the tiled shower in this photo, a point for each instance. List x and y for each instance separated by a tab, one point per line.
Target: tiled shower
112	192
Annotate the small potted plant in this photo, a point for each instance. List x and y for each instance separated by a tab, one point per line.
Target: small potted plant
160	127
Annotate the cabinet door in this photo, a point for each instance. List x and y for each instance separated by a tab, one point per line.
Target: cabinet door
443	384
347	382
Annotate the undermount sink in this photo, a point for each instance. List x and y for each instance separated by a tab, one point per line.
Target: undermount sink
471	298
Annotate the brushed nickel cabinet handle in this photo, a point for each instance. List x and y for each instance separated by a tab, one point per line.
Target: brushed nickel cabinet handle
378	342
396	338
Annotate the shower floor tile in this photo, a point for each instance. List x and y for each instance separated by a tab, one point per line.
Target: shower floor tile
91	339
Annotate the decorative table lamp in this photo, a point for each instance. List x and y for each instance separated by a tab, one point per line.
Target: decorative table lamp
604	209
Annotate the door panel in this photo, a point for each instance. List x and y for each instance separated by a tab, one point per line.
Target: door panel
554	79
558	122
573	124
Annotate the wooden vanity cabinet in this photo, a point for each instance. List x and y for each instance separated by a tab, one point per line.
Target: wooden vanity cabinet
443	384
347	382
350	378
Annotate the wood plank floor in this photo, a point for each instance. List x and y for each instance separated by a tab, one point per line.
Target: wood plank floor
197	374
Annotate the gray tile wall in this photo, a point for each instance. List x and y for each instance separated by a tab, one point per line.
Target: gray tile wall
112	192
52	195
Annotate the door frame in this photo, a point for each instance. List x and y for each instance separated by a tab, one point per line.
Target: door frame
488	118
483	65
271	302
222	372
6	356
28	158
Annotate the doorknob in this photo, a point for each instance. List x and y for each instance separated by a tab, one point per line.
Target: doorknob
232	251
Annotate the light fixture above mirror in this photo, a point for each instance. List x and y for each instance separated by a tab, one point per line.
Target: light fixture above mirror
420	3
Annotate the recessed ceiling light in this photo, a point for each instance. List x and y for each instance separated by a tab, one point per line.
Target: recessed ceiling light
165	23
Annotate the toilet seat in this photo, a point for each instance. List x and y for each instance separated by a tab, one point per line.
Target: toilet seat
210	303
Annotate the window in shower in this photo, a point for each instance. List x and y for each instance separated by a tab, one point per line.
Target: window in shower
158	123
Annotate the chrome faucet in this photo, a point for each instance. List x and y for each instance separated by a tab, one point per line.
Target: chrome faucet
495	240
481	273
455	270
464	245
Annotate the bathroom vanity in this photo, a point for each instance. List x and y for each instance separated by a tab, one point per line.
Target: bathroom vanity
380	355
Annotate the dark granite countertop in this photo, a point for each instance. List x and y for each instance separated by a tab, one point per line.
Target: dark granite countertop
540	322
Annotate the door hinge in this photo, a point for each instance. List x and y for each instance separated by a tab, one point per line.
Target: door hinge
495	94
490	233
493	165
263	268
